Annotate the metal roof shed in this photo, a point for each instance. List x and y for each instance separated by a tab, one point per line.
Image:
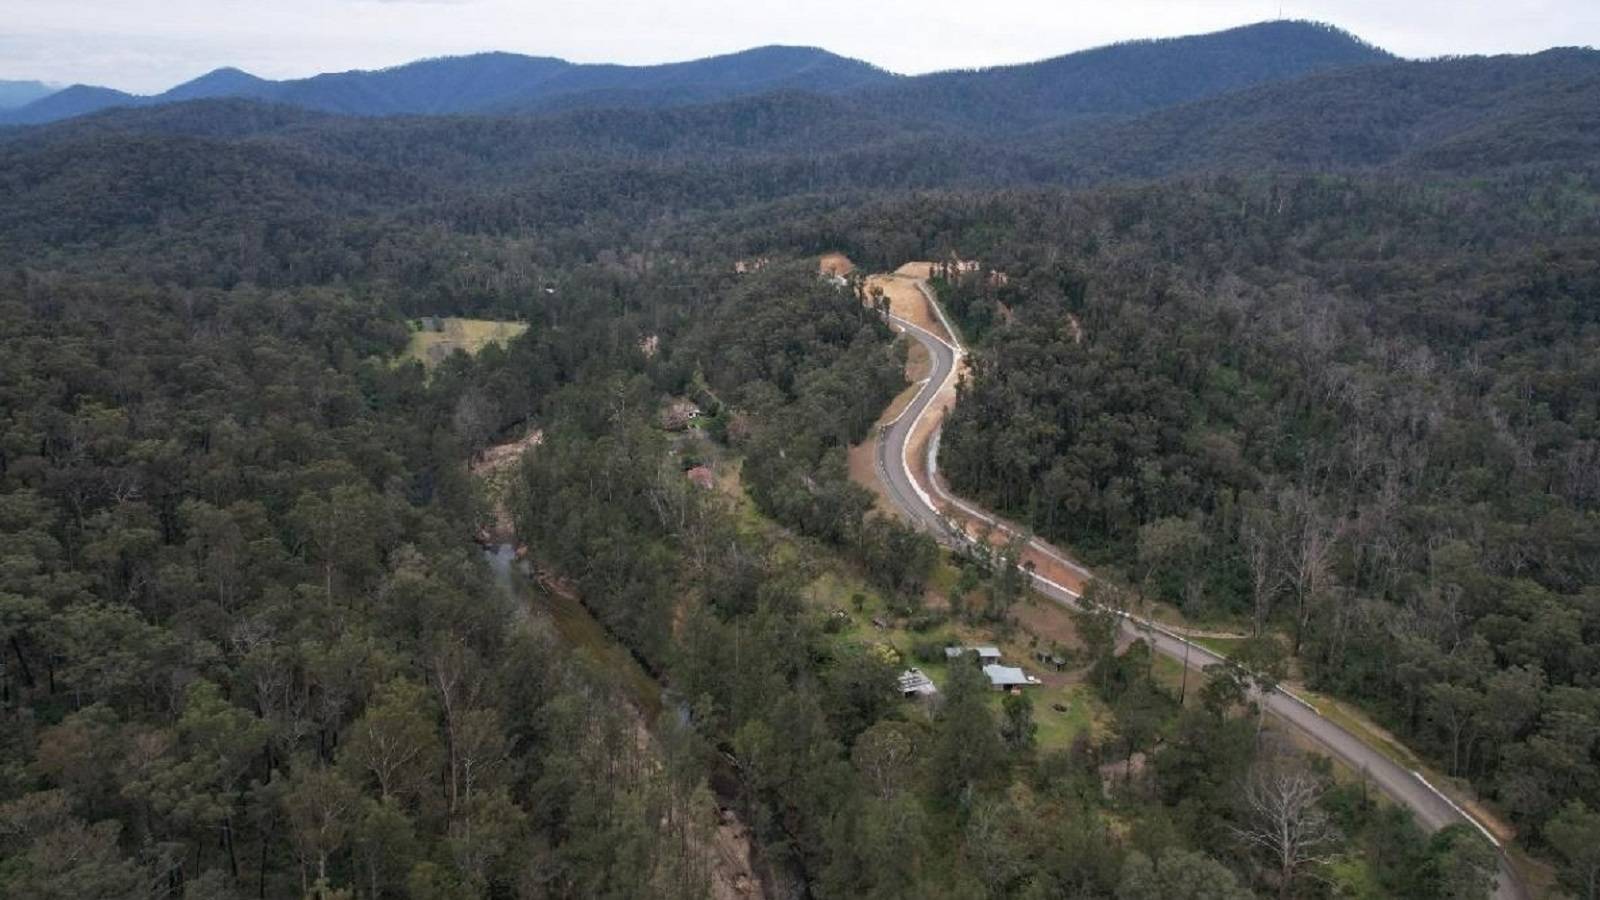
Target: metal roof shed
915	682
1003	677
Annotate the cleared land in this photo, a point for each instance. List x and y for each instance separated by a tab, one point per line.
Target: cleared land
835	264
906	299
1064	707
471	335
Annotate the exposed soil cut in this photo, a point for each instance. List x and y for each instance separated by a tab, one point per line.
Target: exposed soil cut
906	299
503	456
835	264
494	467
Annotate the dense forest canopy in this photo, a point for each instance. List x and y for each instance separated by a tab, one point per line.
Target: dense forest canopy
1326	377
1366	413
287	179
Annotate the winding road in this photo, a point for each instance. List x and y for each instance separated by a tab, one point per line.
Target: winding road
922	502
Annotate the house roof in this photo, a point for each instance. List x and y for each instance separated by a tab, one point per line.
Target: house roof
983	652
1007	676
914	681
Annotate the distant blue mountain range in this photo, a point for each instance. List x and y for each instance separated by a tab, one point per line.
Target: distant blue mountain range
14	94
494	83
1119	79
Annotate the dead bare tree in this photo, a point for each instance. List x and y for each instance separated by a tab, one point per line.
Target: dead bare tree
456	678
1308	545
1284	820
1259	544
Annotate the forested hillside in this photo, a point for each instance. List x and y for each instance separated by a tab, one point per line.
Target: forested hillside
1465	114
273	195
1127	79
1359	413
1324	376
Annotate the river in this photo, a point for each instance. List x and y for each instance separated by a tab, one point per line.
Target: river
578	628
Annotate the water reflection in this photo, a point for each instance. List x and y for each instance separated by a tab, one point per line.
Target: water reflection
577	627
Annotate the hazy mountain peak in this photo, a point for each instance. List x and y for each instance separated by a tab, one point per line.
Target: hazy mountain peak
223	82
20	93
1134	76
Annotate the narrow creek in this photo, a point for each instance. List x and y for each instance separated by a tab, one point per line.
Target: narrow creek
578	628
731	852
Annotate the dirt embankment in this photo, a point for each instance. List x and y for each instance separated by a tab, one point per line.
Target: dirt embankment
503	456
835	264
495	468
905	297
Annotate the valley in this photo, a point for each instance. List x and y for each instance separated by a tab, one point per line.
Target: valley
1161	471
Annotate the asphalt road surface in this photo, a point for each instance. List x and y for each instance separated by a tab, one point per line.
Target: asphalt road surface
1431	808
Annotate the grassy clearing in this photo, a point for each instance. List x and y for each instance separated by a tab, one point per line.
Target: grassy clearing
1222	646
1352	877
1081	714
944	578
1168	673
837	585
470	335
1084	714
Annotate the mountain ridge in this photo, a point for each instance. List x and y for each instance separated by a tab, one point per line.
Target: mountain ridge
482	83
1116	79
1451	117
14	94
1131	77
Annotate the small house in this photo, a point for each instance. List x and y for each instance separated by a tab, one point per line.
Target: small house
985	655
1050	658
915	683
1005	678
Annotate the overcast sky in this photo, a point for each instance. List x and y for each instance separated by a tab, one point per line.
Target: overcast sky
150	45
